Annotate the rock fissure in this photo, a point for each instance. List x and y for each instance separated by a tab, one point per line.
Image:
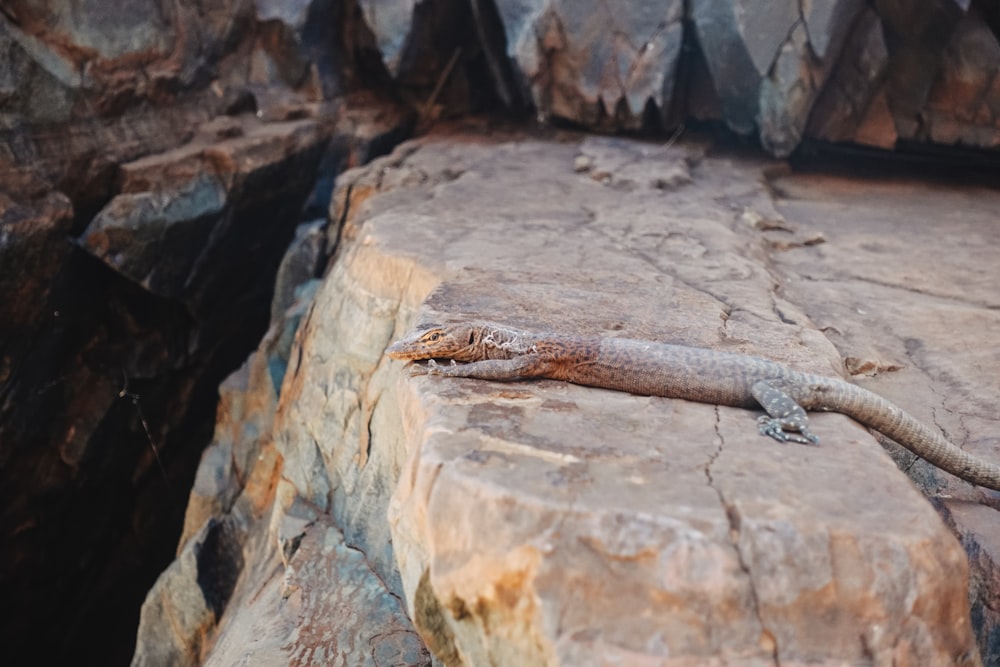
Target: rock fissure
734	532
651	261
948	297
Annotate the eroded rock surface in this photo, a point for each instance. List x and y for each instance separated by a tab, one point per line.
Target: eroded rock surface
544	523
878	74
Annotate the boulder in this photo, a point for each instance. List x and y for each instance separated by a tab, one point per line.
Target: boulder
545	523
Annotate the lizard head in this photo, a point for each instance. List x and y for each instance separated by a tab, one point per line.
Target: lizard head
451	341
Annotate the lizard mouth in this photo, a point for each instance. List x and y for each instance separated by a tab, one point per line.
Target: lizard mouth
399	350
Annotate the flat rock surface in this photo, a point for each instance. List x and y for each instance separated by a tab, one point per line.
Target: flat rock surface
544	523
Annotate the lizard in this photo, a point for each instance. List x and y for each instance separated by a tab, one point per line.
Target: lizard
489	351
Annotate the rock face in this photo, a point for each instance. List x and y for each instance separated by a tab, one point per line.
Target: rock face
110	367
156	159
154	164
544	523
784	71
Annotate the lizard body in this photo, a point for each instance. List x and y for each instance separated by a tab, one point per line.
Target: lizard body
494	352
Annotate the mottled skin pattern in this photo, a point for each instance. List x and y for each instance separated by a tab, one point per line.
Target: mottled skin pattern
494	352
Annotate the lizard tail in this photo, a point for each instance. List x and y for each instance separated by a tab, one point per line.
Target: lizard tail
876	412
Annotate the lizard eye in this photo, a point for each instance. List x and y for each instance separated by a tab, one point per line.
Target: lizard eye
434	336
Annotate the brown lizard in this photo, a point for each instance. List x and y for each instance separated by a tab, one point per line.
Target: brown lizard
494	352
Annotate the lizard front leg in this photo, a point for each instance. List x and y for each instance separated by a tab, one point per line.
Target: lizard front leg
518	368
784	415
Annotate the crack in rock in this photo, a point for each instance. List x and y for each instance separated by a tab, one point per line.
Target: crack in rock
733	516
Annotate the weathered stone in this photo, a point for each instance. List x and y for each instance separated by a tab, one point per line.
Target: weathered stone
301	263
132	26
176	615
510	505
181	205
433	54
789	91
28	61
391	23
786	95
826	21
302	596
325	607
101	380
916	33
852	106
975	525
963	106
33	232
81	52
736	80
914	308
107	391
593	63
294	48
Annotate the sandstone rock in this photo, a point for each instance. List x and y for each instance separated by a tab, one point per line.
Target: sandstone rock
177	614
292	590
106	368
891	290
32	246
540	523
769	65
326	607
300	264
77	54
433	54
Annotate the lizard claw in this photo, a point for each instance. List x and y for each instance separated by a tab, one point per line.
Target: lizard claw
772	427
432	368
417	369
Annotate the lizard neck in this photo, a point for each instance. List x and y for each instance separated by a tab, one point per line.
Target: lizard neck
496	342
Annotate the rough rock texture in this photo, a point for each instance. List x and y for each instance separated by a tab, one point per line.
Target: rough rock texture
263	577
595	63
111	367
155	159
781	71
543	523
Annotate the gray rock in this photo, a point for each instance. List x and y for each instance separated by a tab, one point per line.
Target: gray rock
176	615
847	107
180	205
300	264
135	232
327	607
391	22
735	77
827	21
593	65
127	27
786	96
